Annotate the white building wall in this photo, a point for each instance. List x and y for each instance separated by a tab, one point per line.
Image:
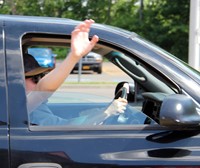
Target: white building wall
194	34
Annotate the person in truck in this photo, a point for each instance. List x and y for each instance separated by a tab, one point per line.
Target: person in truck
36	82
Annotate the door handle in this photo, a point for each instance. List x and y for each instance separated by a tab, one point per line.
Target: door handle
40	165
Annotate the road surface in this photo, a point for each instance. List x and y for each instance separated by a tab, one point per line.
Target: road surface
95	83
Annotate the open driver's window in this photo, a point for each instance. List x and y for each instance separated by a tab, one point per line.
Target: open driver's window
86	95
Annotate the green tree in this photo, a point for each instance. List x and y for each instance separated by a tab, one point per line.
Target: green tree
164	22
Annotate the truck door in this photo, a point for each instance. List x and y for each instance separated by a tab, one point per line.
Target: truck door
4	135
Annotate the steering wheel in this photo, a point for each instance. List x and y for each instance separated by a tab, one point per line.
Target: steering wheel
122	91
129	116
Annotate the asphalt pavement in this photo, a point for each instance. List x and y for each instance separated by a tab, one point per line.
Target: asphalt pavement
90	82
110	73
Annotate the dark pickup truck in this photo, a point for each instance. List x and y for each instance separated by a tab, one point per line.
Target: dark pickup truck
160	127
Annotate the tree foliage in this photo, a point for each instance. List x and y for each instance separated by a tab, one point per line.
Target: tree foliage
164	22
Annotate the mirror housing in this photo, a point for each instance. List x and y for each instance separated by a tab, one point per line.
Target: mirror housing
178	110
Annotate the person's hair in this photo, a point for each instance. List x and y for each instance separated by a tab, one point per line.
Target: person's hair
36	78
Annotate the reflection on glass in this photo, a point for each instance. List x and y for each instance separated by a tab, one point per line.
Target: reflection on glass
60	108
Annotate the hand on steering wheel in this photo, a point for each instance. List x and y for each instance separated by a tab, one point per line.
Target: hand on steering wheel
118	106
128	116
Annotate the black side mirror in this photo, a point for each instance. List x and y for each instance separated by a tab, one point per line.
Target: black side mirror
179	110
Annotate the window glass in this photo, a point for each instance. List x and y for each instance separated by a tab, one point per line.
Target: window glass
89	95
86	97
76	108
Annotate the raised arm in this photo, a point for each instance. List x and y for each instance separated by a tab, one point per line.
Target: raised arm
80	46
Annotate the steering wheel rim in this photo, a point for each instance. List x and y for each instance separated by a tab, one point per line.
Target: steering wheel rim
129	116
123	91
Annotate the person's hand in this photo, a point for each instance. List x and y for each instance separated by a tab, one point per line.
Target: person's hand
116	107
80	43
